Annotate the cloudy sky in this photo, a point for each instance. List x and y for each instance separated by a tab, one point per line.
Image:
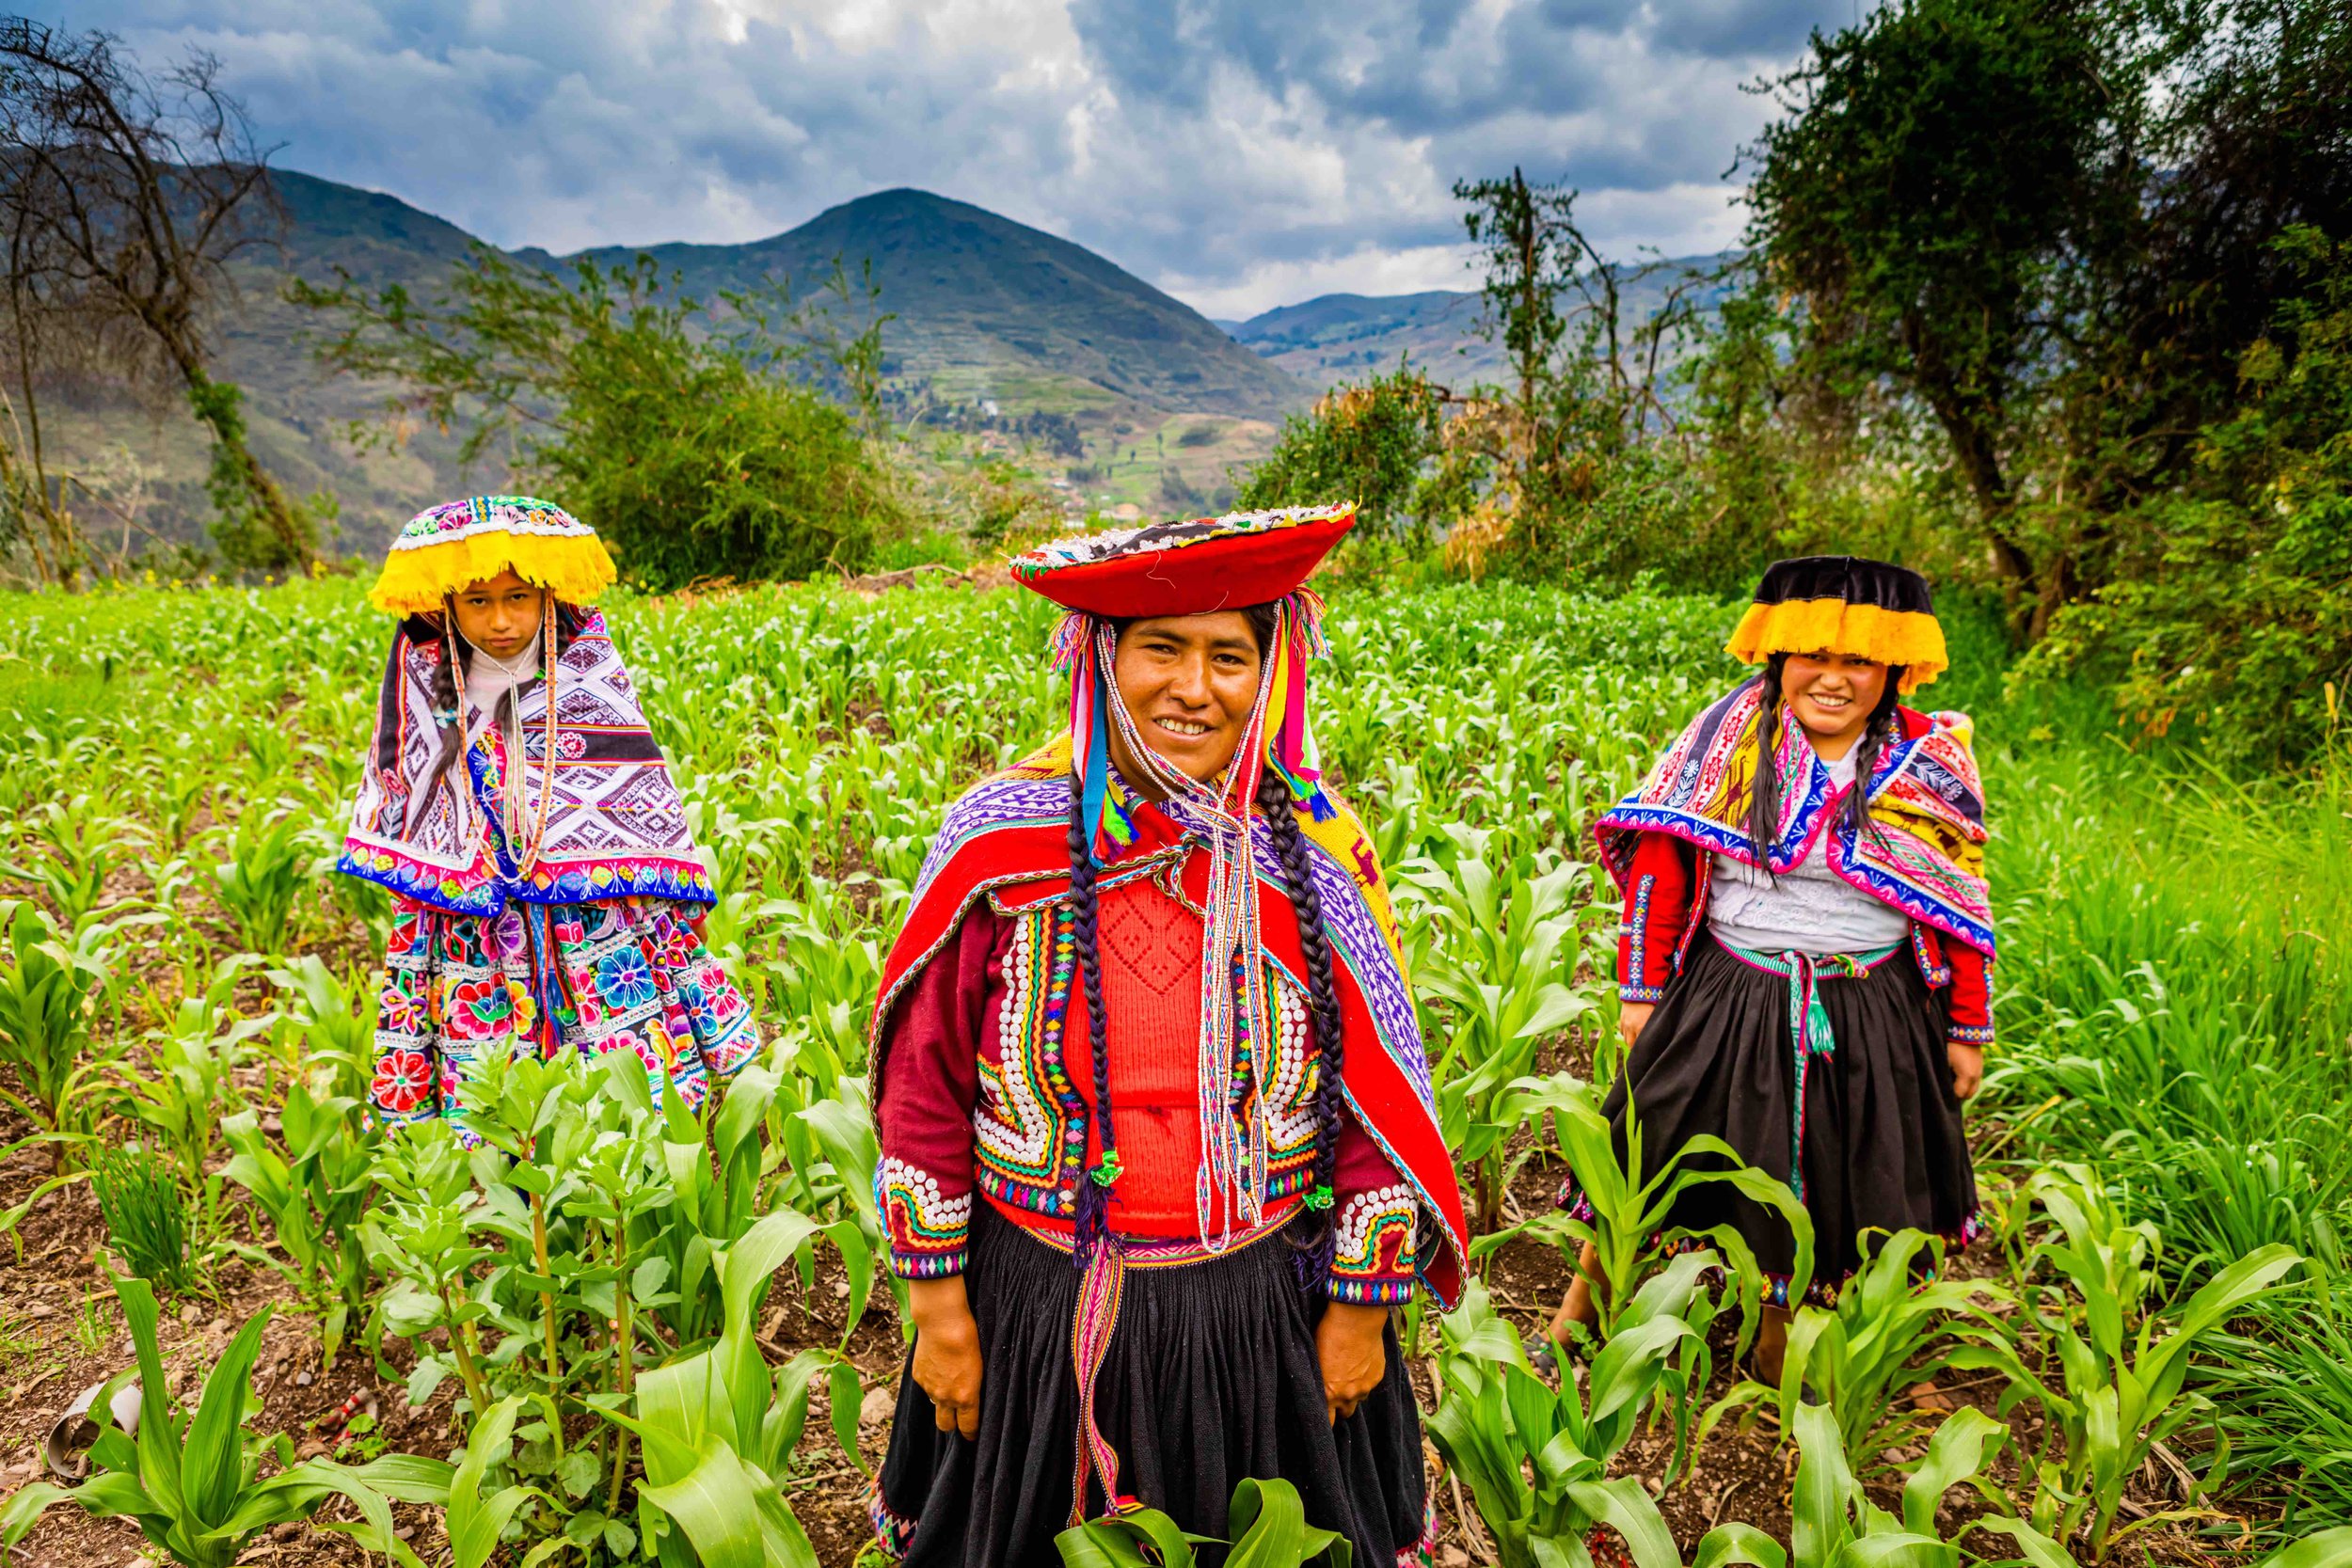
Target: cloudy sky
1239	153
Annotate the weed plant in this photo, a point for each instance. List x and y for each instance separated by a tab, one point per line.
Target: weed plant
146	1214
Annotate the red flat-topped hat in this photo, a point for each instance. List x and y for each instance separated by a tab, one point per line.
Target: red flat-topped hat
1186	568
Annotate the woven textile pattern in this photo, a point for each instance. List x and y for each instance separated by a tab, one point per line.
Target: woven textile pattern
615	826
627	974
1923	850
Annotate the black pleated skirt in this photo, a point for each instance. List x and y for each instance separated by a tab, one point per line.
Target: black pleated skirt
1211	1376
1882	1145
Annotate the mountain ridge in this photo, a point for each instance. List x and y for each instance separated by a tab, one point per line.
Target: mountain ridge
990	316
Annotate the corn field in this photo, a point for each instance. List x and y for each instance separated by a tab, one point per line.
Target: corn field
621	1335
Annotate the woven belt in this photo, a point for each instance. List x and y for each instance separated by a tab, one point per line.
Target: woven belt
1809	1032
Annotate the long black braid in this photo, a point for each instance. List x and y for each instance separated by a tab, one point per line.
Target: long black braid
1764	792
1093	1217
1313	1245
1314	1258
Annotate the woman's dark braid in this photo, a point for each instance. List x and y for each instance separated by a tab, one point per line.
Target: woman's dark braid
1313	1256
1877	732
1764	789
445	715
1094	1196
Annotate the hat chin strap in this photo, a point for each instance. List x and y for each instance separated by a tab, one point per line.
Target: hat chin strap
1228	1185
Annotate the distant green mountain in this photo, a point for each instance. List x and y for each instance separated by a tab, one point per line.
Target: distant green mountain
988	308
1338	338
988	313
1348	336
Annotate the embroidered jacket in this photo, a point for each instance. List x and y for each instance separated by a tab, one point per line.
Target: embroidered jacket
1921	851
978	1098
980	992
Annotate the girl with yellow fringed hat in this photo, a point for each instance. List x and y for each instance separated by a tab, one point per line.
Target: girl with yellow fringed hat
1805	956
545	893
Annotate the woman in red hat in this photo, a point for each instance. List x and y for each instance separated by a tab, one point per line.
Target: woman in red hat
1806	953
1158	1151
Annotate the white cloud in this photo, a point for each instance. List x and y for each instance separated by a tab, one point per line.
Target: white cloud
1239	153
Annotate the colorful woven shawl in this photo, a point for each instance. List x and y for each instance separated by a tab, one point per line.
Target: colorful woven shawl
1922	848
614	828
1009	838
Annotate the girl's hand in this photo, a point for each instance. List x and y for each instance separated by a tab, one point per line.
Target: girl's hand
1631	1016
1348	1344
1967	1067
947	1352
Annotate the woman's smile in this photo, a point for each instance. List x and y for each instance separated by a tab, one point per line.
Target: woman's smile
1190	682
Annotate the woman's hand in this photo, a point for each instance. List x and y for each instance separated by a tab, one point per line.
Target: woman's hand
947	1352
1967	1067
1631	1016
1348	1345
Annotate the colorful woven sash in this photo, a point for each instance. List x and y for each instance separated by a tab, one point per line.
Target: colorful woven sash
1100	1291
1809	1033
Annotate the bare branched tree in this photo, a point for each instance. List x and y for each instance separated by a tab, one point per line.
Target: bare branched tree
124	197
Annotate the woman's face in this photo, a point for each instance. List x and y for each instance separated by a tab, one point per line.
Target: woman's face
1832	696
1190	682
500	615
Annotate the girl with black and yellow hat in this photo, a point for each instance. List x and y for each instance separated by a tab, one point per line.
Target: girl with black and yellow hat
1803	963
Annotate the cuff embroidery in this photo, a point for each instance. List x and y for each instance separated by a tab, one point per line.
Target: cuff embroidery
1969	1034
1372	1253
928	1231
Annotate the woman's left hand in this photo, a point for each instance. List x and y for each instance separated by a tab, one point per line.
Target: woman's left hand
1967	1067
1348	1344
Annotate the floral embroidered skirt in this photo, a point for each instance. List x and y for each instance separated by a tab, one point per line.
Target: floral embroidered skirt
616	974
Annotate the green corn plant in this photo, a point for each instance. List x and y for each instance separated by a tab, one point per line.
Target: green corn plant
192	1483
1897	1322
720	1175
1265	1526
1506	951
1632	1205
330	1027
268	868
718	1428
195	1057
1537	1459
2120	1370
82	844
478	1516
48	983
147	1217
1833	1524
313	1185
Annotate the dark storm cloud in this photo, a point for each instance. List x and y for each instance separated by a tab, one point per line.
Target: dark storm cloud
1239	151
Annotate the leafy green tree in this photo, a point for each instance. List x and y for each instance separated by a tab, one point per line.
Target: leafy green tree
2232	611
1577	485
2041	230
1947	165
1379	444
699	444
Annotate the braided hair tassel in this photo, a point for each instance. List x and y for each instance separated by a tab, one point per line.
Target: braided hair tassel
1092	1227
1311	1259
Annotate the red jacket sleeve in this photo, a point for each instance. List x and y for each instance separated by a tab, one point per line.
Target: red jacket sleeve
1373	1212
1971	1006
925	1090
1659	890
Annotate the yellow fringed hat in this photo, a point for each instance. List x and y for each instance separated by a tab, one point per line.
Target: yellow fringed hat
457	542
1843	603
